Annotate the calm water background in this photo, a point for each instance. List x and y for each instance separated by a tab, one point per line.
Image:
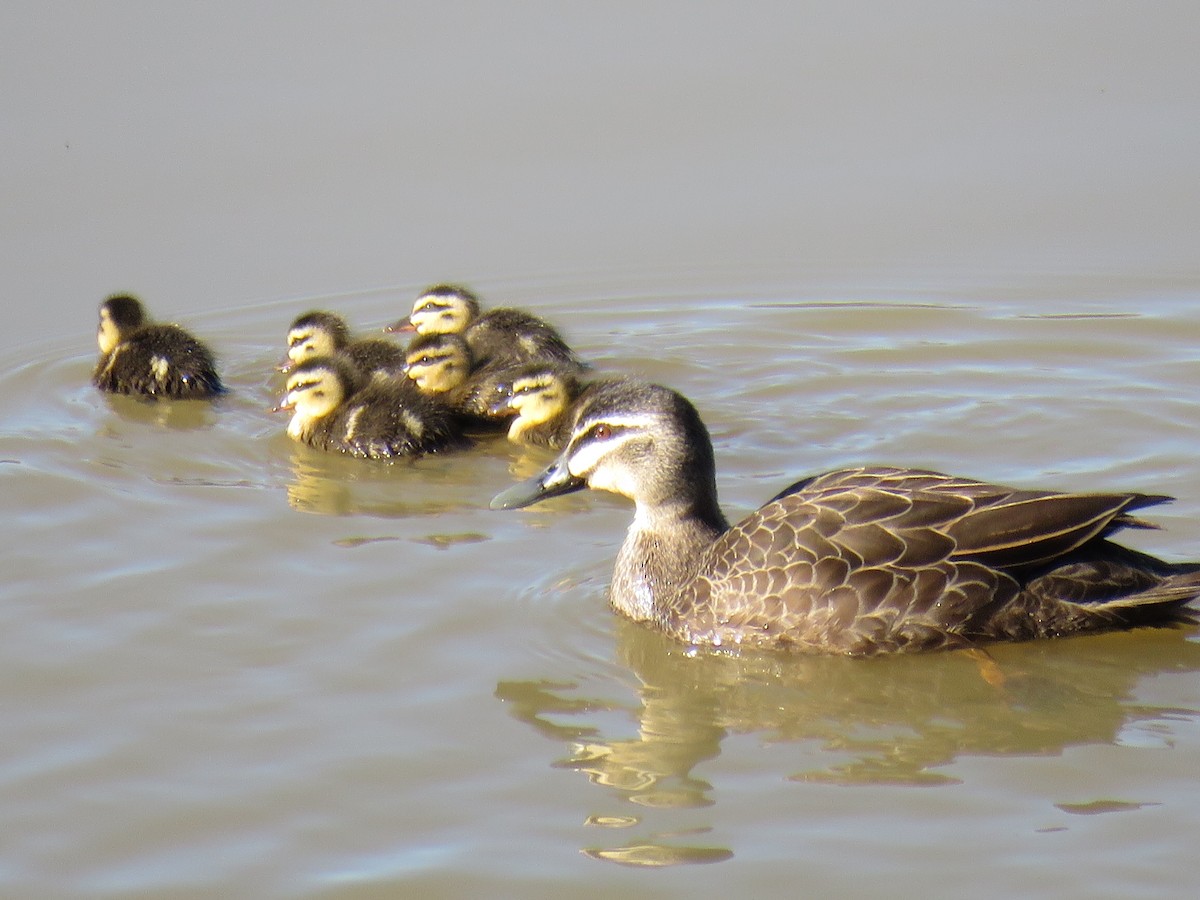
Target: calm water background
950	235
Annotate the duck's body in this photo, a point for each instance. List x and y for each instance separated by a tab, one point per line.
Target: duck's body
856	561
337	407
322	333
157	361
496	338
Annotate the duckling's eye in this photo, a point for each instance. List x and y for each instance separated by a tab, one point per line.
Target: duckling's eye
602	432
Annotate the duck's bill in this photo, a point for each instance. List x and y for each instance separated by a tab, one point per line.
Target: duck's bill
554	482
403	326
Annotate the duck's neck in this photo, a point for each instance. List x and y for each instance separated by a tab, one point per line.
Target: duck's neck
662	551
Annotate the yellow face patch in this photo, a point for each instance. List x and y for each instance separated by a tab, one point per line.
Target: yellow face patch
304	343
439	314
107	335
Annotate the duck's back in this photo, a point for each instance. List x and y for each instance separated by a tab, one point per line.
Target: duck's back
159	361
867	561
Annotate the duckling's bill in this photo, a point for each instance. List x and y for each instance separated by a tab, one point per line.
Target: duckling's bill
555	481
401	326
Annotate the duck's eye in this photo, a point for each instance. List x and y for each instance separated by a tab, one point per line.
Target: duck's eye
602	432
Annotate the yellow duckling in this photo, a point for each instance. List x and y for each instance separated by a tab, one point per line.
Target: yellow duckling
542	396
150	360
337	407
499	337
443	369
322	333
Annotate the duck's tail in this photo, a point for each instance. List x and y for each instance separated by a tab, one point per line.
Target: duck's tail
1165	603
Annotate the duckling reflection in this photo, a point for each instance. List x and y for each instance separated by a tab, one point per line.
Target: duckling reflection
322	333
499	337
145	359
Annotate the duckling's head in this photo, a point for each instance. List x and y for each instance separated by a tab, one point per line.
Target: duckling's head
642	441
119	315
438	362
540	393
441	309
316	333
316	388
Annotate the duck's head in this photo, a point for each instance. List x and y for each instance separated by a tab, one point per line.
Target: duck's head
316	333
438	362
315	388
642	441
441	309
119	315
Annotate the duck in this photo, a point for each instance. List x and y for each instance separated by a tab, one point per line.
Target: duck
155	361
499	337
336	406
856	561
323	333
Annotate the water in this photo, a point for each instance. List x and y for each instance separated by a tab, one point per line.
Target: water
233	666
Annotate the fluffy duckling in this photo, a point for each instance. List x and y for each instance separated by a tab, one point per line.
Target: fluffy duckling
443	369
541	396
855	561
335	406
499	337
150	360
322	333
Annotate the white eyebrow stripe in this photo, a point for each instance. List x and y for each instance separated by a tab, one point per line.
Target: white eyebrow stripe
591	453
629	420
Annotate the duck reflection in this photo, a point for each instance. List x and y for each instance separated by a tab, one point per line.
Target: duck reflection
892	720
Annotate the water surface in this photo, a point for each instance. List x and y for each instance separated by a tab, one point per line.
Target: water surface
952	237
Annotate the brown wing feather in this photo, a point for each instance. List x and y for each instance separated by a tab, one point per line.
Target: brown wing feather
878	560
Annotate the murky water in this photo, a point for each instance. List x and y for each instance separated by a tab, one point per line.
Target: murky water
233	666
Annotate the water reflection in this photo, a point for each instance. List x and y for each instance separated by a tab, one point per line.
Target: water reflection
894	721
181	415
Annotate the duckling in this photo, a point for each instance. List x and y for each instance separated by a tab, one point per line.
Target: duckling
542	396
335	406
321	333
855	561
150	360
499	337
443	369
